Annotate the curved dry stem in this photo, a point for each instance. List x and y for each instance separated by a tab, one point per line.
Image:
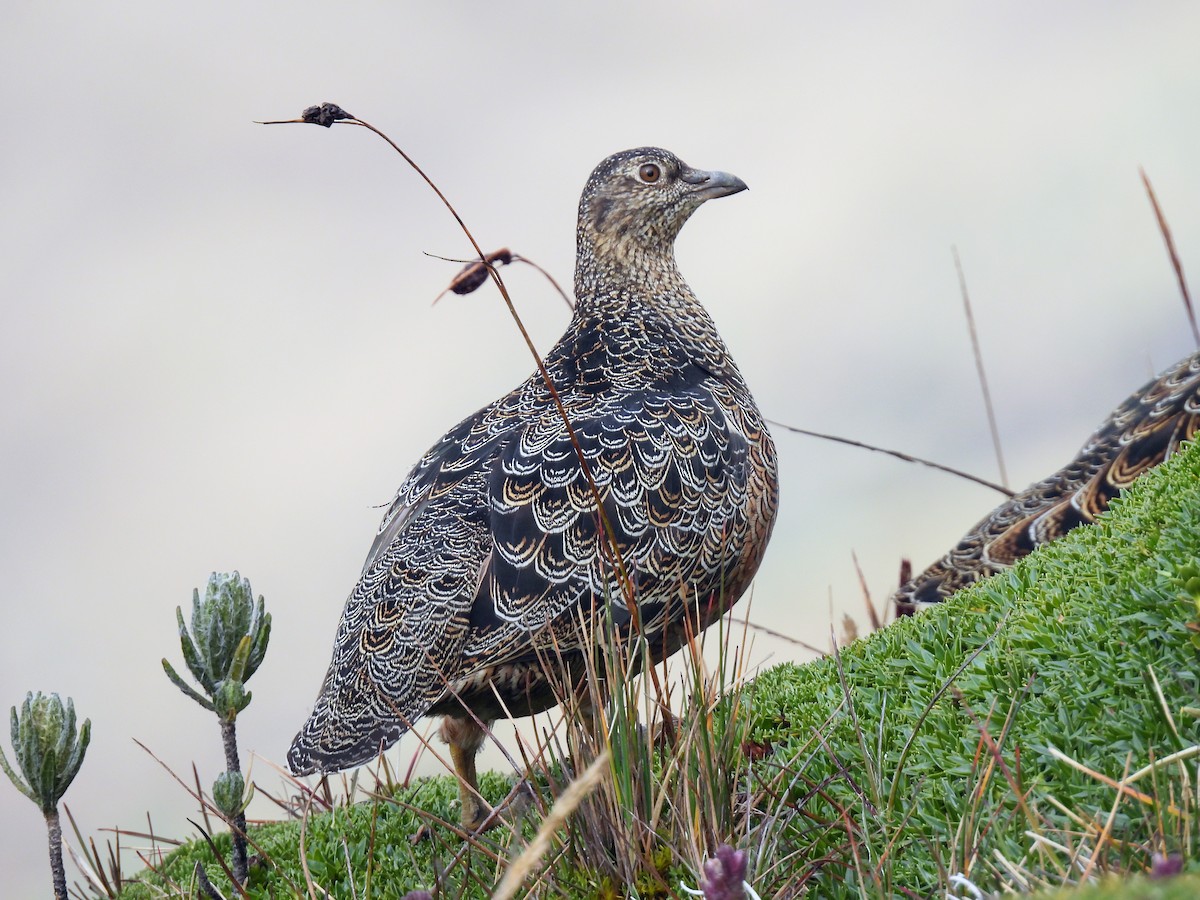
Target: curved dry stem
983	382
896	453
330	114
618	563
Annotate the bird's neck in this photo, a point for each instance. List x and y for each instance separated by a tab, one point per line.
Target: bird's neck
638	298
609	282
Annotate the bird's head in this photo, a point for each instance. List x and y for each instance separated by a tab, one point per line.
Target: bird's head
635	202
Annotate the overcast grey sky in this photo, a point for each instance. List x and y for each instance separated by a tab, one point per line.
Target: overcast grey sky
217	348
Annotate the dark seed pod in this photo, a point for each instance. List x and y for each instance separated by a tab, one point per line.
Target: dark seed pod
473	275
324	114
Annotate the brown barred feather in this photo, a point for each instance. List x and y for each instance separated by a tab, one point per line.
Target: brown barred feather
490	553
1142	432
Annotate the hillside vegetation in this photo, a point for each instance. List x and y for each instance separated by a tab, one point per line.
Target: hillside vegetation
986	739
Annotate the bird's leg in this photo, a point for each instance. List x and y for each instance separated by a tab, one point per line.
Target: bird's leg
465	737
591	715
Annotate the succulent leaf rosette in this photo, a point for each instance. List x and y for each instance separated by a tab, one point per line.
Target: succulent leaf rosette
47	748
225	646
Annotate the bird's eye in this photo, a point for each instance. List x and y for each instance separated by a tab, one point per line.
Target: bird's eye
650	173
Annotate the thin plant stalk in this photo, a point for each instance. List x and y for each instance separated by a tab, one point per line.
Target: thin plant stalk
327	114
983	382
240	866
226	644
907	457
57	873
1175	263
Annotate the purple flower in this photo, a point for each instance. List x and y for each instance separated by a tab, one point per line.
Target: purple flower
1165	866
724	875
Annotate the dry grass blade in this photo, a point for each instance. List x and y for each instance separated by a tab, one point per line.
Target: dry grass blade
907	457
872	614
206	887
1121	787
92	865
983	382
200	793
1106	832
1177	756
308	879
204	803
529	262
147	835
195	795
993	745
565	805
1175	263
301	787
220	861
754	626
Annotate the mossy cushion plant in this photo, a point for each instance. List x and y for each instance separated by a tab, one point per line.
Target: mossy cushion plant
938	735
345	849
1183	887
938	745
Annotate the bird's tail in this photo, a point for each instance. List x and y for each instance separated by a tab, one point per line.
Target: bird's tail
343	731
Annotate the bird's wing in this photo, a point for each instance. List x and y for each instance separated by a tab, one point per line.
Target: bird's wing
492	541
438	471
406	619
671	469
1140	433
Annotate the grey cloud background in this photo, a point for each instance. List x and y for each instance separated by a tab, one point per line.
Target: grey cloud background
217	349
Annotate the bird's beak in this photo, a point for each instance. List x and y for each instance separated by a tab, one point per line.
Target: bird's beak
712	184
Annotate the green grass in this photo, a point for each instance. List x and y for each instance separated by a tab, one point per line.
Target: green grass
1184	887
921	751
1054	653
